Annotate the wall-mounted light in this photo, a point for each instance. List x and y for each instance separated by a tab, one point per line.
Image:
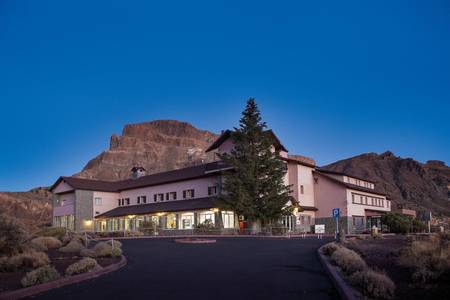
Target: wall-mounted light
215	210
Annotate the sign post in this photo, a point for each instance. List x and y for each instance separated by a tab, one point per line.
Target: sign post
336	214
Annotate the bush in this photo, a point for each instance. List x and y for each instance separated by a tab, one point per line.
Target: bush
418	226
74	246
329	248
102	249
23	261
87	253
44	243
12	236
348	260
117	244
40	275
116	252
397	223
56	232
428	260
84	265
374	284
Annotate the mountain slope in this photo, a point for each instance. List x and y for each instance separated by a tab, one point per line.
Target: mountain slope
157	146
410	183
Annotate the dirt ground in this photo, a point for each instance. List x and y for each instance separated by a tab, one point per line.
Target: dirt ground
382	255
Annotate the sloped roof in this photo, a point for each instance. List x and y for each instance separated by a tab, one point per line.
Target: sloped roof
203	170
349	185
227	133
169	206
343	174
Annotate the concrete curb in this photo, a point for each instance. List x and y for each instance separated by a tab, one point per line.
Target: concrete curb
33	290
346	292
212	236
195	241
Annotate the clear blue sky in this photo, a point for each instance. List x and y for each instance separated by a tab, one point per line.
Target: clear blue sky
333	80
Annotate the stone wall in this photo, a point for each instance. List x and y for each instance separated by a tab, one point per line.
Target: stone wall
84	210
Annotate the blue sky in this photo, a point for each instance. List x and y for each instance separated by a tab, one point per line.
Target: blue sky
332	79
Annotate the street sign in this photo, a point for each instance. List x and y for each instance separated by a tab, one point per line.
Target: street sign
336	213
319	229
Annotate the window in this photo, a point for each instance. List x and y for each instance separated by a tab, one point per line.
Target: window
187	194
126	201
187	221
171	196
158	197
302	190
212	190
119	202
207	215
98	201
141	199
358	222
228	219
171	221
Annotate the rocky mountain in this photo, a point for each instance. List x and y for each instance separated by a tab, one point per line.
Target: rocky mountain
157	146
412	184
32	208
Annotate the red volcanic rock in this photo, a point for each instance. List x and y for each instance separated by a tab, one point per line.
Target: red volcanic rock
157	146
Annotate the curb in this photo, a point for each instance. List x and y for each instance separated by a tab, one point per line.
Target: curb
198	241
212	236
346	292
33	290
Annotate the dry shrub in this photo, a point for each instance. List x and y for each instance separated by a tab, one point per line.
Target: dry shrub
348	260
116	252
23	261
329	248
12	235
74	246
56	232
427	259
84	265
44	243
115	242
87	253
40	275
374	284
102	249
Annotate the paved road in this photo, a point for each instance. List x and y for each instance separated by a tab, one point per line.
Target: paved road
233	268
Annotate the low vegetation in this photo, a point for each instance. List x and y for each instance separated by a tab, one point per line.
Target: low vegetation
104	249
373	284
23	261
74	246
12	236
40	275
56	232
43	243
428	260
84	265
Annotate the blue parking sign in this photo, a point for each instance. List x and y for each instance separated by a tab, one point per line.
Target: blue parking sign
336	212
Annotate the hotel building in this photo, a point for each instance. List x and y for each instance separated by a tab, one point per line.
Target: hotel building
184	198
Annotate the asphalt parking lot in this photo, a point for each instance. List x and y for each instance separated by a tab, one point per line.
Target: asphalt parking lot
232	268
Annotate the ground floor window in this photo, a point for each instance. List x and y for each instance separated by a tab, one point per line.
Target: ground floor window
206	215
67	221
228	219
171	222
304	220
187	221
358	223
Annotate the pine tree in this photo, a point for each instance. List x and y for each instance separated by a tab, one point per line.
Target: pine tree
255	187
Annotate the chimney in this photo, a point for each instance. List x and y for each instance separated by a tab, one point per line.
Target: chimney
137	172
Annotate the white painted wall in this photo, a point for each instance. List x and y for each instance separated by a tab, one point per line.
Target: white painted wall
109	201
359	209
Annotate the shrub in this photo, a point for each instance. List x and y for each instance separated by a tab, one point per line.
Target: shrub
56	232
102	249
374	284
40	275
117	244
348	260
87	253
12	236
329	248
84	265
397	223
116	252
428	260
46	242
74	246
23	261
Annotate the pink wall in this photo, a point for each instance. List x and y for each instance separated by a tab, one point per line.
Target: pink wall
329	195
